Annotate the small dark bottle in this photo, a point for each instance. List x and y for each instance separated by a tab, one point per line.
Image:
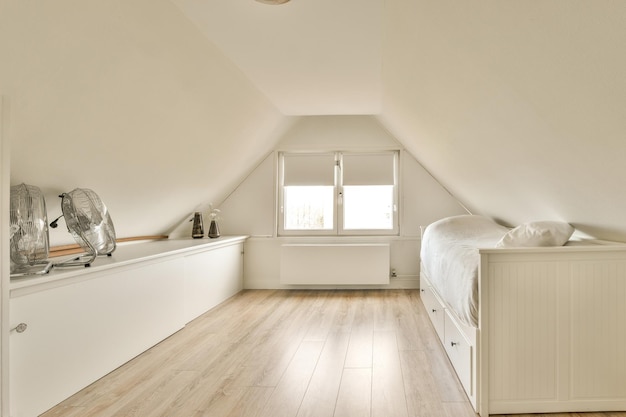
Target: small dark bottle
214	230
197	231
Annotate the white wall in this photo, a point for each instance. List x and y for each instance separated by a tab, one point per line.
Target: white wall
129	99
251	208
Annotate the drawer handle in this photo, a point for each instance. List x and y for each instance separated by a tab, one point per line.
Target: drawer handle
434	310
21	328
453	344
422	290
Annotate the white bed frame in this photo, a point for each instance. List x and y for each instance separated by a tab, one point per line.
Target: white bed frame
551	335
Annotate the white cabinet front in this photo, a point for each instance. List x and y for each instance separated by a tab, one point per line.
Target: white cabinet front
77	333
211	277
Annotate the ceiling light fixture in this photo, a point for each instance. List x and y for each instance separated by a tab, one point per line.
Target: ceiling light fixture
274	2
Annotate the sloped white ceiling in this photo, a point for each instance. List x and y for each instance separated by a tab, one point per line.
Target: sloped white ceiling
310	57
129	99
518	108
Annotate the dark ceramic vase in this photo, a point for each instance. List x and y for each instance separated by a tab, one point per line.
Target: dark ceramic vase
214	230
197	231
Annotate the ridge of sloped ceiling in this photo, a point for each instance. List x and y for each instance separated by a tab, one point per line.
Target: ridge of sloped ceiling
319	57
517	108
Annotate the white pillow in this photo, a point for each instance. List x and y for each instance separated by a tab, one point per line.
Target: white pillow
544	233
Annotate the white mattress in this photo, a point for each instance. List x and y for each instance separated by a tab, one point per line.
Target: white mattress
449	256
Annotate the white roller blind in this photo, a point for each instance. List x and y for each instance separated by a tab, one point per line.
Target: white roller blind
368	169
309	169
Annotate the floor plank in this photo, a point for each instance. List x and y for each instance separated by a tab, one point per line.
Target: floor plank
288	393
388	397
355	393
321	396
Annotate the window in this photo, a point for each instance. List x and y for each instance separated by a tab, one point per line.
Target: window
338	193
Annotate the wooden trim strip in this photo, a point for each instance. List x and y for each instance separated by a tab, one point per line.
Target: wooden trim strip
75	248
134	238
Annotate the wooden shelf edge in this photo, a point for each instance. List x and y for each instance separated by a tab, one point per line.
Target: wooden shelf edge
72	249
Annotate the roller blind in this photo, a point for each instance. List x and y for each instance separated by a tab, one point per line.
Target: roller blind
368	169
309	169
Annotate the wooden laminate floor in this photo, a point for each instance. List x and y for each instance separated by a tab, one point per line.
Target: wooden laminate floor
290	354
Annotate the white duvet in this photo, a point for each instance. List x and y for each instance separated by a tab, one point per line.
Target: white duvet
449	255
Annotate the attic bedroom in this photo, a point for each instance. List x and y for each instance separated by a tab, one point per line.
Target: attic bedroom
512	112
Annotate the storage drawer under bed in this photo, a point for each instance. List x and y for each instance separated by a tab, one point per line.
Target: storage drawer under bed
435	310
459	350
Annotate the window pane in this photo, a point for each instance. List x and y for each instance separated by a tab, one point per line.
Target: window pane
368	207
308	207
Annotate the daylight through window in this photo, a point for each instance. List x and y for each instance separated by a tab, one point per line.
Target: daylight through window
338	193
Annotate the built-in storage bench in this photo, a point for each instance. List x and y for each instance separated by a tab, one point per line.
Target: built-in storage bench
75	325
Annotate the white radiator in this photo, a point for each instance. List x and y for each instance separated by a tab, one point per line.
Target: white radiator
334	264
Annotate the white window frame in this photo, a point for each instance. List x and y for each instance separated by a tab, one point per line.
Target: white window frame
338	214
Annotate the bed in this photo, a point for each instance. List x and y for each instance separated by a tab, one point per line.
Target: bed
532	322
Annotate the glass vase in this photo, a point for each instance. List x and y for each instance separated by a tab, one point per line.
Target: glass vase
214	230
